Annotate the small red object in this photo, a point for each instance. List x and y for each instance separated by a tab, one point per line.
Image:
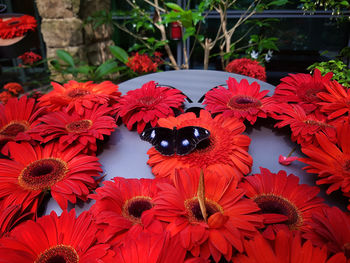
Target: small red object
175	31
286	160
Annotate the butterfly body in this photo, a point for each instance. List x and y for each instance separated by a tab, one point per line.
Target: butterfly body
170	141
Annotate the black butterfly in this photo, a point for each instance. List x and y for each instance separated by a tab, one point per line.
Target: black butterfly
180	141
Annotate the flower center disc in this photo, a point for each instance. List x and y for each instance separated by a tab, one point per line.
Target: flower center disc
240	102
79	126
13	128
194	210
134	207
75	93
149	100
279	205
42	174
58	254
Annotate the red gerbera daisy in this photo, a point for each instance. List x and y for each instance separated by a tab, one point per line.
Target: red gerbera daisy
72	129
5	96
331	227
224	152
16	26
17	118
247	67
150	248
230	217
331	162
80	96
123	209
305	126
284	203
336	102
148	104
29	58
54	239
302	89
286	248
240	100
34	170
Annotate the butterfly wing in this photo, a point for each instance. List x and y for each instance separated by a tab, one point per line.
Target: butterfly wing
188	137
161	138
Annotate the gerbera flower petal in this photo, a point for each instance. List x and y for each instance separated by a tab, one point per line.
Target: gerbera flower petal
241	100
72	129
79	96
54	239
178	205
225	151
17	118
282	194
123	209
27	176
147	104
302	89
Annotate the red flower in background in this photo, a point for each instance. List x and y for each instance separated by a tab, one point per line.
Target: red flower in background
79	96
29	58
53	238
241	100
142	63
230	218
305	126
34	170
14	88
16	26
147	104
247	67
5	96
72	129
330	161
284	203
225	151
123	209
288	247
302	89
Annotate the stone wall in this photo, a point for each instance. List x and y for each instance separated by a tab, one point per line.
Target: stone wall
63	28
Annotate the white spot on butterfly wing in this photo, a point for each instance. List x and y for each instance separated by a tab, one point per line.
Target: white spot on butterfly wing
153	134
196	132
185	142
164	143
206	132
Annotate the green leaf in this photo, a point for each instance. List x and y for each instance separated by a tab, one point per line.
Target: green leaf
84	69
278	2
174	7
106	68
66	57
188	32
345	3
119	54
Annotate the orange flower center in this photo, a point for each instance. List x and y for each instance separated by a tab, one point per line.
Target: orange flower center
42	174
150	100
194	211
75	93
241	102
79	126
13	128
318	123
134	207
58	254
273	204
309	94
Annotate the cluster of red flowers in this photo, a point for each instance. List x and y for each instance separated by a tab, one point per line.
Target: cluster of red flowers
29	58
11	90
143	63
201	207
247	67
16	26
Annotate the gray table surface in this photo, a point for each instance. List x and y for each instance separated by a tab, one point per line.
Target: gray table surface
125	154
